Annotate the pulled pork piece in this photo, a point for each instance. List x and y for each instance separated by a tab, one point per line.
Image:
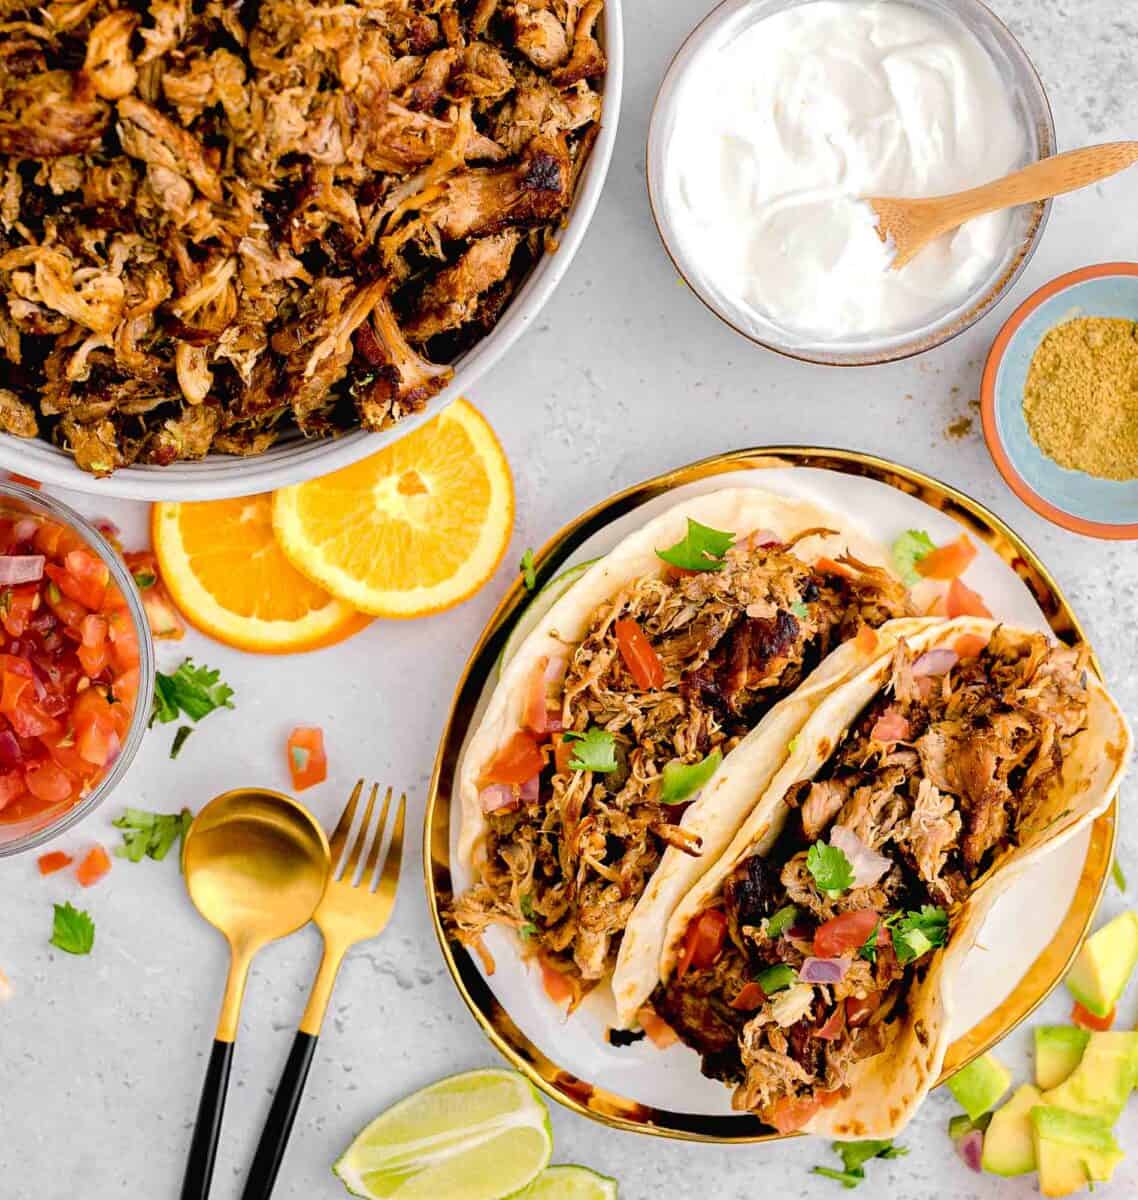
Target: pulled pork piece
268	211
16	417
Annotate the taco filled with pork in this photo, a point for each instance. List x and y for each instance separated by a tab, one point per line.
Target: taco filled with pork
602	747
811	968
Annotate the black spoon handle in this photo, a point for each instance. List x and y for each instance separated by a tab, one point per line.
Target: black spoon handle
207	1128
274	1137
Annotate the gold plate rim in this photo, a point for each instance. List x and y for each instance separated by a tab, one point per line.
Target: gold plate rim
609	1108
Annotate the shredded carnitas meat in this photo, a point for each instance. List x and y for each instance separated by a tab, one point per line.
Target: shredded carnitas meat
938	775
568	864
224	222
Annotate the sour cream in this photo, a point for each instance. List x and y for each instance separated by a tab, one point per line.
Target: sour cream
781	126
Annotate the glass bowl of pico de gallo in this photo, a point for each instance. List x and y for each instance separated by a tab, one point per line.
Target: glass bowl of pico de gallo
76	668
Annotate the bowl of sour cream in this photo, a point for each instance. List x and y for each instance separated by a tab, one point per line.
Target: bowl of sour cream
777	116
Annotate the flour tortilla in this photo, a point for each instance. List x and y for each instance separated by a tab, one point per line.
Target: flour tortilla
887	1089
742	511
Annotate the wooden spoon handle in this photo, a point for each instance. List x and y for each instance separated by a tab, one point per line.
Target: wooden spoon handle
1049	177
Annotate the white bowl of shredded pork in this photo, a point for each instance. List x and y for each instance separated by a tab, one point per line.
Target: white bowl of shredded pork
243	244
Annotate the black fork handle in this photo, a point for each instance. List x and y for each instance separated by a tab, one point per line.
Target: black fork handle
278	1125
207	1127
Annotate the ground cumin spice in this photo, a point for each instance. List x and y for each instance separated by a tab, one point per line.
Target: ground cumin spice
1081	396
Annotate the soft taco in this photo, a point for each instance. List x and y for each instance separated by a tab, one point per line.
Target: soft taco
601	746
812	966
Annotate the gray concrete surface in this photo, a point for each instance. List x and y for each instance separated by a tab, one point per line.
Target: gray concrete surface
101	1058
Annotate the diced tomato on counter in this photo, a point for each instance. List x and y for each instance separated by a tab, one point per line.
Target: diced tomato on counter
69	667
307	761
93	867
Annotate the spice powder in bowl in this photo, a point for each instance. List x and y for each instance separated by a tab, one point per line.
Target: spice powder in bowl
1080	400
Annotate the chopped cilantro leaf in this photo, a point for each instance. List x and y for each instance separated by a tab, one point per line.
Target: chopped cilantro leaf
916	933
529	572
72	929
195	691
832	871
1118	875
908	550
680	781
799	609
180	736
701	549
868	949
144	578
854	1156
150	834
594	750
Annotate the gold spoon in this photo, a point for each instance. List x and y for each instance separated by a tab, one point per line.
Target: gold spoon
912	224
256	866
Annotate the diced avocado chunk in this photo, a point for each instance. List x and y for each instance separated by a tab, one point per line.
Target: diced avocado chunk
1058	1049
1101	1084
1072	1150
1104	965
1008	1147
979	1086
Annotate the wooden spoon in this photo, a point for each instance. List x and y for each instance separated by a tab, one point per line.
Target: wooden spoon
912	224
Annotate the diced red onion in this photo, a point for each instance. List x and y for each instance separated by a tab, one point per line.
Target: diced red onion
868	866
21	568
25	529
10	753
891	726
763	537
527	793
496	797
970	1148
107	528
555	669
553	722
935	662
823	970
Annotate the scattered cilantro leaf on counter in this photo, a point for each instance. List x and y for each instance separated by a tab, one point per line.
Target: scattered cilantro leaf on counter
150	834
854	1156
180	736
681	781
195	691
1118	875
908	550
916	933
701	549
594	750
832	871
529	572
72	929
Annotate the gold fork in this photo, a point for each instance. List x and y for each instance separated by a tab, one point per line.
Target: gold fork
349	913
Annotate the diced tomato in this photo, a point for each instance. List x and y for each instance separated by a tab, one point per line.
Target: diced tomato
54	860
518	761
703	941
160	611
93	867
860	1008
65	607
12	687
790	1113
866	640
56	541
96	739
639	656
948	561
12	787
659	1032
94	650
29	720
126	693
834	1025
827	566
27	481
20	602
845	933
49	782
1087	1019
91	573
558	986
750	997
891	726
969	645
962	601
307	761
123	638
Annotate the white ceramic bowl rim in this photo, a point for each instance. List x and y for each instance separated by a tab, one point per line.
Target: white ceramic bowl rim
221	476
1009	56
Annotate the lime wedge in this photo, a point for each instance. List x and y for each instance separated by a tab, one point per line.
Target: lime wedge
569	1183
538	607
478	1136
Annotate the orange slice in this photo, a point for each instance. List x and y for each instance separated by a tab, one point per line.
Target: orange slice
415	529
227	574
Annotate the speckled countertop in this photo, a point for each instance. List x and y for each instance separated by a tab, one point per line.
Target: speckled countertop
625	375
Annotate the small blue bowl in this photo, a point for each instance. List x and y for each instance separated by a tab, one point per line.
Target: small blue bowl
1104	508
